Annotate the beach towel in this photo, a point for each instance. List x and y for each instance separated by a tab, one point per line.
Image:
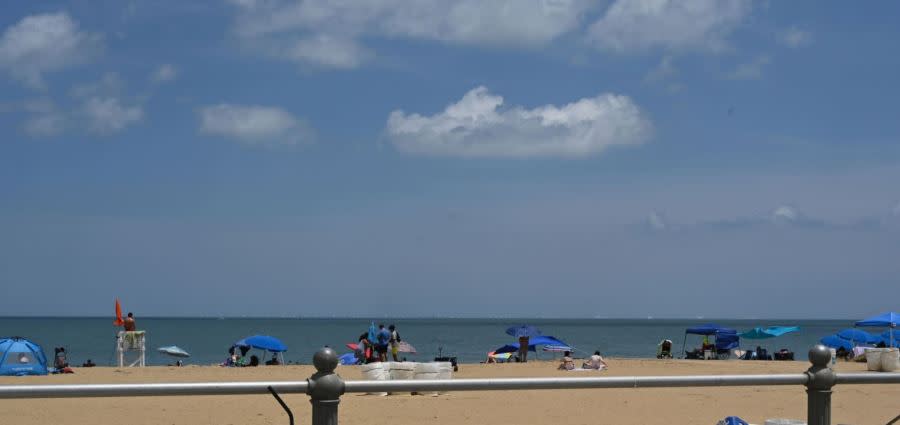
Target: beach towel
581	369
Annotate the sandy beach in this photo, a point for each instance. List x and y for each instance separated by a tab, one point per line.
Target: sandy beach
871	404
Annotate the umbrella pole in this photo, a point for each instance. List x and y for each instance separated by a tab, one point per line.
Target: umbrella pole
683	342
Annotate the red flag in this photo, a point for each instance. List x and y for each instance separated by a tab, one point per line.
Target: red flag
118	321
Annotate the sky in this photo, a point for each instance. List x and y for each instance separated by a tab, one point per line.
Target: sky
461	158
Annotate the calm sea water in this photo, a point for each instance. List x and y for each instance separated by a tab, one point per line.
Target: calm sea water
469	339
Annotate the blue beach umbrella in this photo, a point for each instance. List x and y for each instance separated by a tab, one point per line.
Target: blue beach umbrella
834	341
523	330
263	342
373	333
858	336
770	332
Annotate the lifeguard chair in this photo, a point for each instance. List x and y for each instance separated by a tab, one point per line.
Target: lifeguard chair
131	349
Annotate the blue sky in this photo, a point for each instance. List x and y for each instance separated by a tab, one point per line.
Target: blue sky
460	158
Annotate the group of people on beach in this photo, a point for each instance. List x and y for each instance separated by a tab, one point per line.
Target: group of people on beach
369	350
595	362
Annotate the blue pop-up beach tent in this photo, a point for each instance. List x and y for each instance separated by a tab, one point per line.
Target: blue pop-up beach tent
725	338
884	320
19	357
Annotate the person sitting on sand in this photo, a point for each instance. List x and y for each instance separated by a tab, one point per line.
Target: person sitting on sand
596	362
272	362
254	361
88	363
568	363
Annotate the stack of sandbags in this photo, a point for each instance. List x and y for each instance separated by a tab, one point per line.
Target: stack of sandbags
401	370
375	372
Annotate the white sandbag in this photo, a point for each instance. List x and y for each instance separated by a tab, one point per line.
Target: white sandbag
890	359
445	371
401	370
375	372
426	371
873	358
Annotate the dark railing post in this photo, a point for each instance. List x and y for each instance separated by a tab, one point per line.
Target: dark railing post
325	388
818	387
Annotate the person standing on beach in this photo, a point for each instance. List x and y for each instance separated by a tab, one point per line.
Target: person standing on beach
523	348
381	343
129	323
395	342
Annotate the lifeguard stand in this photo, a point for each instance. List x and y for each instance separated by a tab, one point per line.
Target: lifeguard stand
130	348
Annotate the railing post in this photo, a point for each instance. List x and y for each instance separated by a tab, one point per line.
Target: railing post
325	388
818	387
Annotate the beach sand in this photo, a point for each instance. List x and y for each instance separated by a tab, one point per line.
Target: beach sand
852	404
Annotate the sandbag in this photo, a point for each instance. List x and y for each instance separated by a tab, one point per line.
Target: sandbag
375	372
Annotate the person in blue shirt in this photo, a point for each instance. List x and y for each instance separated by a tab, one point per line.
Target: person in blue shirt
381	343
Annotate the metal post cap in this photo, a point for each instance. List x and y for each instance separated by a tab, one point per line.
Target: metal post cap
325	360
819	356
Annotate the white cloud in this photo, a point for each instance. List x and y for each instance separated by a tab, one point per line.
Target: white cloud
327	51
111	84
39	44
44	119
785	213
480	126
254	125
794	38
165	73
300	31
750	70
107	115
634	25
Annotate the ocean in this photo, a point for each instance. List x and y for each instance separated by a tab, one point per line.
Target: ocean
208	339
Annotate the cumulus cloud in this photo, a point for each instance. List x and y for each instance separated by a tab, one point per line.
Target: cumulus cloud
795	38
165	73
752	70
107	115
301	31
254	125
40	44
635	25
479	125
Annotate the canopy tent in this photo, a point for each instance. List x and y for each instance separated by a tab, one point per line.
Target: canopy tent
891	335
725	338
834	341
19	357
770	332
265	343
554	344
883	320
173	350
